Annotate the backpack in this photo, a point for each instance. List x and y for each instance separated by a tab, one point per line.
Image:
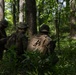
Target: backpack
39	43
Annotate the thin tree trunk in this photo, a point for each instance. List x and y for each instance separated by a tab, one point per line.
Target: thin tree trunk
73	18
21	10
14	12
57	23
1	9
17	11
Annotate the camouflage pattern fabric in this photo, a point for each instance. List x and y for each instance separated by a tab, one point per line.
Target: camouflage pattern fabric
2	43
46	46
39	43
19	41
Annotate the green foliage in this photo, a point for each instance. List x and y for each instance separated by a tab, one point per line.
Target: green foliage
9	63
35	63
8	11
67	54
9	16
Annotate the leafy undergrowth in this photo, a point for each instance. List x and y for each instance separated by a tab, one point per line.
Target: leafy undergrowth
35	63
67	58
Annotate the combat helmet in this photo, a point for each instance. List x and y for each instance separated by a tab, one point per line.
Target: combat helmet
4	23
22	25
44	28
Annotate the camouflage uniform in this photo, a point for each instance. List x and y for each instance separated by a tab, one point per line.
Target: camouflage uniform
50	54
18	40
3	36
44	30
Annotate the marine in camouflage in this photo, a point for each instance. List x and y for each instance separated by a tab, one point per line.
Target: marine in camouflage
18	39
3	36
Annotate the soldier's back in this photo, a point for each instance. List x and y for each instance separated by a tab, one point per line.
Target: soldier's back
11	41
18	41
21	43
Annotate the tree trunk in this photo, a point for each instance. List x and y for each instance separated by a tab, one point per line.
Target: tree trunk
14	12
21	10
73	18
17	11
57	24
1	9
31	16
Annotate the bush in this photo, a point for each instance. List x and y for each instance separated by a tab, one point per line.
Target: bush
34	63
